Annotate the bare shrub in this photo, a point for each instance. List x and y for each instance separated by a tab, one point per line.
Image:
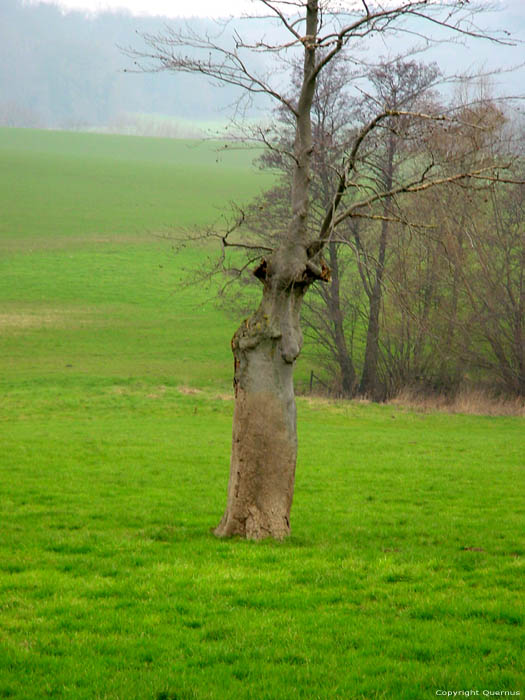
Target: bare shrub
471	401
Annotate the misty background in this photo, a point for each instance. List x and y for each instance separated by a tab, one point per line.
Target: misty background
65	70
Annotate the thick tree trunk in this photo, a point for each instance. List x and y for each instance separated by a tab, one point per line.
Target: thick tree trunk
264	448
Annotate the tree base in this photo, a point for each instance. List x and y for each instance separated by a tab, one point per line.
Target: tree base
256	526
264	451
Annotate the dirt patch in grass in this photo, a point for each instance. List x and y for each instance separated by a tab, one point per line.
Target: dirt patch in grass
157	393
189	390
44	318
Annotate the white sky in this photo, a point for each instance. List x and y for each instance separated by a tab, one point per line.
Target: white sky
179	8
168	8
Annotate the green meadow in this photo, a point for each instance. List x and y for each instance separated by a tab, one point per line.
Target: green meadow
403	577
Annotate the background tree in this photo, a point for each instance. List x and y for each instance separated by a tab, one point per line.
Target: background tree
495	287
483	245
428	336
398	86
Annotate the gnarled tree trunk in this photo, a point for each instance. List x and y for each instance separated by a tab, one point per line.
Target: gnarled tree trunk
264	448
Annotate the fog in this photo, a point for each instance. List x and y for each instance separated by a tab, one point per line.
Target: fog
65	70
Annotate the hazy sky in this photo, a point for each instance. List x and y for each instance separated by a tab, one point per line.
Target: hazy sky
196	8
168	8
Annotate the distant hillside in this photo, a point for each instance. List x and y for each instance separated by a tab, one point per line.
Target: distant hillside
66	70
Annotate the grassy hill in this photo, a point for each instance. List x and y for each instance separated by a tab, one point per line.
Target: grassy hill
86	285
403	575
72	184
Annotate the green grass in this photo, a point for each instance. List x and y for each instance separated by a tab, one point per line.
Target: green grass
404	571
402	575
86	288
70	184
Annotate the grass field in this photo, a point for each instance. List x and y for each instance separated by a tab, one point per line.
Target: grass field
87	289
404	573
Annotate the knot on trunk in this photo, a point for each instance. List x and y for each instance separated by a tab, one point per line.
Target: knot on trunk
290	347
312	271
252	331
261	270
309	41
315	271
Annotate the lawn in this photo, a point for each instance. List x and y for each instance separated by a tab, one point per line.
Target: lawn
404	572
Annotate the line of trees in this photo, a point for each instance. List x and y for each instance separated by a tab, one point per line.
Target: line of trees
427	289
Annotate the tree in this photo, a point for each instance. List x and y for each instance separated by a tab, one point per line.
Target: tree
336	310
330	307
484	244
495	287
267	344
398	86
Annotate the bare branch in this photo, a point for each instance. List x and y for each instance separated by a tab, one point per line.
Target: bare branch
221	64
283	19
419	186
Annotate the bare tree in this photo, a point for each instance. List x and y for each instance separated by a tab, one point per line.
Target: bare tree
486	252
496	292
399	86
454	311
267	344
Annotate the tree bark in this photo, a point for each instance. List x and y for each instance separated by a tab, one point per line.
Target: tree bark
264	446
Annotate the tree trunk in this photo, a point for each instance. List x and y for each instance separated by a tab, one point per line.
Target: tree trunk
370	385
264	448
346	367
